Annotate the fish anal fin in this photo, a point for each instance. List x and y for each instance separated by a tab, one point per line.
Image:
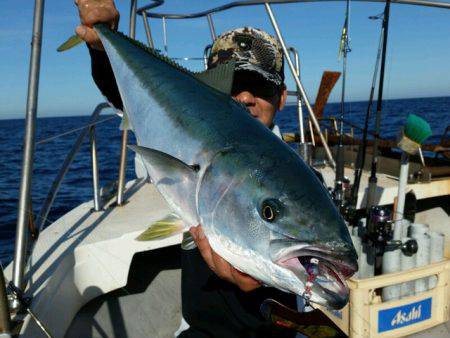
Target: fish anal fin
166	227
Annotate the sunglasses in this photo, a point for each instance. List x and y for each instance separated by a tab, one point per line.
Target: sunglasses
259	88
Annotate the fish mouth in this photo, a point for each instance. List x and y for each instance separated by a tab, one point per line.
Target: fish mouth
323	271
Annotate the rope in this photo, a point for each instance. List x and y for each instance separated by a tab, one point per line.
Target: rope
74	130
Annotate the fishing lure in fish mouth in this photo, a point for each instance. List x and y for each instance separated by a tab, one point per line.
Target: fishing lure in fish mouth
322	277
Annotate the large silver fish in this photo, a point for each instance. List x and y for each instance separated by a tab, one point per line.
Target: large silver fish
261	207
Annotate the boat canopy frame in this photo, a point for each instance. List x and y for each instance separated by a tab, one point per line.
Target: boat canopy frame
234	4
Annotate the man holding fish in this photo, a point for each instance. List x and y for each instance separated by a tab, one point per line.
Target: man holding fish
263	98
212	306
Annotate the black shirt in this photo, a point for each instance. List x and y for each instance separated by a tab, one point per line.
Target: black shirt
216	308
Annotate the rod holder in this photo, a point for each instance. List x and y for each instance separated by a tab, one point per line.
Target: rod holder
305	151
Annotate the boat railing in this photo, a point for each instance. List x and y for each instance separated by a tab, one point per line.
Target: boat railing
88	129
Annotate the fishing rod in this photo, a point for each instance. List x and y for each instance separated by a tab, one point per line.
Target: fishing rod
344	49
373	172
361	156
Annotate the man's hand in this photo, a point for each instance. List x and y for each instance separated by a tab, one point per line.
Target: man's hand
220	266
93	12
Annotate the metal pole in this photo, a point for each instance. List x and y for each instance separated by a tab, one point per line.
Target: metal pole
95	179
28	154
205	55
5	318
165	35
211	27
123	160
299	85
123	149
148	32
311	132
133	9
299	98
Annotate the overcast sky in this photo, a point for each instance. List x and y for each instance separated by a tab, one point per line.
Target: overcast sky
418	49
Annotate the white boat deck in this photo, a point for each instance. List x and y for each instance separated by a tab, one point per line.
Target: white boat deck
85	254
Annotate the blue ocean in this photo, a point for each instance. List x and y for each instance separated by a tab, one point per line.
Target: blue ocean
77	185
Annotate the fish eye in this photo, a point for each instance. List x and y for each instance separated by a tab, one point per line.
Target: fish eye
270	210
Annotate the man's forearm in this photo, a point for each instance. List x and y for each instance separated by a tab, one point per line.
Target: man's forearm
104	77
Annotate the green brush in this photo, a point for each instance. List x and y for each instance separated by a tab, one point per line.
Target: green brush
416	131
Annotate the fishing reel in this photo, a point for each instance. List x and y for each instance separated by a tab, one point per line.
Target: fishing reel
380	232
341	194
379	226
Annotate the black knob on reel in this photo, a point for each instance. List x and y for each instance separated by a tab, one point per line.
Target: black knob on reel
410	247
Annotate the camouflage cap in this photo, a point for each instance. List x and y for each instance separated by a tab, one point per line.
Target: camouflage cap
253	50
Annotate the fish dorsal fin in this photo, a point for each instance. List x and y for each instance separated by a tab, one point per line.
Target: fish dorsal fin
175	180
220	77
105	30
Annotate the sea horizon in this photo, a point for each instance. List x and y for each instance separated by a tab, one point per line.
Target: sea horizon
288	103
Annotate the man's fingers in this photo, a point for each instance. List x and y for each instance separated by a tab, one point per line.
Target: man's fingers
203	246
245	282
89	35
219	265
100	14
223	268
92	12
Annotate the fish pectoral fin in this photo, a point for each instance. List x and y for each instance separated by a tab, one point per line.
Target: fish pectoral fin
188	242
174	179
220	77
69	43
168	226
163	160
